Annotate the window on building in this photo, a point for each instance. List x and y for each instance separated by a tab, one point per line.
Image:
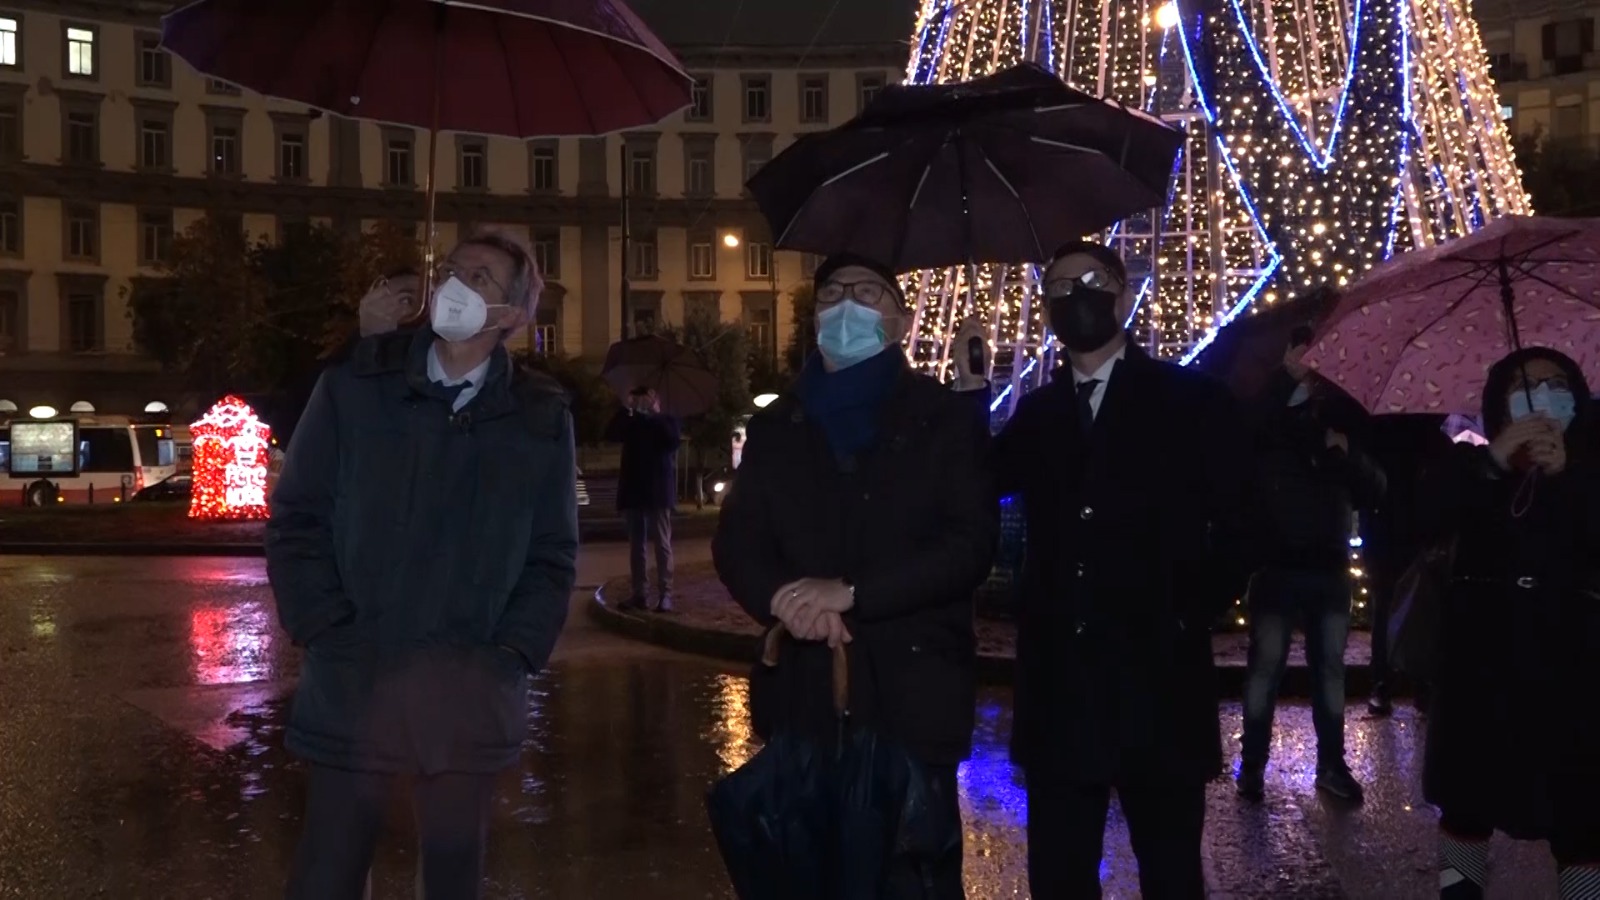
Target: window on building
10	319
221	88
759	324
757	98
1565	44
10	130
642	171
397	171
867	90
82	54
155	236
474	165
1566	122
702	306
83	233
155	144
754	160
645	317
84	326
544	176
809	263
10	43
224	149
292	156
757	261
10	226
700	173
545	331
644	259
155	66
814	99
702	258
292	227
699	100
547	253
83	137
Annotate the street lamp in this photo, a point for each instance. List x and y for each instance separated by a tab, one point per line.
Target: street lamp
1166	15
43	412
731	241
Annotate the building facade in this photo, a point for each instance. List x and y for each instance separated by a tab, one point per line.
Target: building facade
1543	59
109	147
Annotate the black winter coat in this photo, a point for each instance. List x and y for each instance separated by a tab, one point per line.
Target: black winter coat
1306	492
1514	731
912	524
1136	544
648	479
408	547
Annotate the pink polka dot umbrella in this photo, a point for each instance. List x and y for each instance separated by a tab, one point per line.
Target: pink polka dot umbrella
1418	333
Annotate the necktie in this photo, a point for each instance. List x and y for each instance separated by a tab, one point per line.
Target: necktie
1085	407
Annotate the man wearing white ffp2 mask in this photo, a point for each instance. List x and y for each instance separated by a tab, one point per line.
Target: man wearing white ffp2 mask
422	548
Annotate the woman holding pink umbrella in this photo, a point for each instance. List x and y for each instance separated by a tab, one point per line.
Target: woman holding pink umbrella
1514	733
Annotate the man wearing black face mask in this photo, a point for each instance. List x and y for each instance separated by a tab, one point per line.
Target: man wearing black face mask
1132	474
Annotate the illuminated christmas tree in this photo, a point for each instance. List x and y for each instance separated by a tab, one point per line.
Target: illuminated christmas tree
1323	136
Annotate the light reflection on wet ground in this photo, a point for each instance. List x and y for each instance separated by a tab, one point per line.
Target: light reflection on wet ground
117	678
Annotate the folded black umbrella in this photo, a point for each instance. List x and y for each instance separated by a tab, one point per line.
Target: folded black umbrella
809	819
1003	169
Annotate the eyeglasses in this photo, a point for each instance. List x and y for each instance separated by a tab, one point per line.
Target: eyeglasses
1093	279
478	278
867	293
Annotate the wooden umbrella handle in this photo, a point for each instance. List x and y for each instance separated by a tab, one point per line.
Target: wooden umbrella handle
841	666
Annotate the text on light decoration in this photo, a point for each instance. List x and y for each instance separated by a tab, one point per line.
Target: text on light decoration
232	451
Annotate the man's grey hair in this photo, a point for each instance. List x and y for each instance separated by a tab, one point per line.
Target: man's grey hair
526	284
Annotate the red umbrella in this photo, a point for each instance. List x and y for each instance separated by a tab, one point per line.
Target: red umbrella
514	68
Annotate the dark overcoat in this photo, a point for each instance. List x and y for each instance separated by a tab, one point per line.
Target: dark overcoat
424	558
1135	544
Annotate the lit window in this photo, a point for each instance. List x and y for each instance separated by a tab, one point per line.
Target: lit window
1507	111
8	42
80	52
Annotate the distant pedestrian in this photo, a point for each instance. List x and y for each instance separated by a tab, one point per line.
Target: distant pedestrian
1514	732
1129	562
862	517
1312	475
647	490
422	550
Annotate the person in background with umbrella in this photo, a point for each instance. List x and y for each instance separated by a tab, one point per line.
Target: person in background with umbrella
647	490
1514	733
1313	473
422	549
863	516
1125	573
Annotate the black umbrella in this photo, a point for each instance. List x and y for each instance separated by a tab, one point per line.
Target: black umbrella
677	374
1247	353
1003	169
814	820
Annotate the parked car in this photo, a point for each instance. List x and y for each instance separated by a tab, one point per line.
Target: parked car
173	489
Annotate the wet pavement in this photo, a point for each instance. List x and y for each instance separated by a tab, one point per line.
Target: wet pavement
142	701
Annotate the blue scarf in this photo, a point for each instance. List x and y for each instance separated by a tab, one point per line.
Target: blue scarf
847	403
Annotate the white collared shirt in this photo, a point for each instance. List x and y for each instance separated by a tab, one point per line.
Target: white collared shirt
1102	375
473	380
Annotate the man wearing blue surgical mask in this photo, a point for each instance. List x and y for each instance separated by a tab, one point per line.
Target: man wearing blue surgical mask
421	549
863	518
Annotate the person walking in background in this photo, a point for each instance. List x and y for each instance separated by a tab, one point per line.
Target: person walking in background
1514	734
1124	574
863	517
422	549
1312	475
647	490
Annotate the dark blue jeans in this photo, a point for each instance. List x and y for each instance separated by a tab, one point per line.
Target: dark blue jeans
1320	603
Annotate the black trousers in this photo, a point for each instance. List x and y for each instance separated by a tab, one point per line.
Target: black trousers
345	813
941	878
1066	833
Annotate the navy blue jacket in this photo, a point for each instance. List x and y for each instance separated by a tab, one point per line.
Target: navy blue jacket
649	458
411	550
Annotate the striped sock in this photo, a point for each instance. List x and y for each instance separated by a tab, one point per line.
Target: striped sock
1580	882
1463	867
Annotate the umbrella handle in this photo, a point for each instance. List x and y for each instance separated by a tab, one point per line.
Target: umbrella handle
841	666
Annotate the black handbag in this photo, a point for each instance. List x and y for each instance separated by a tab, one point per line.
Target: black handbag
1414	623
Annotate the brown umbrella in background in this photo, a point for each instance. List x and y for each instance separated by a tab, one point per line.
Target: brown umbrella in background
512	68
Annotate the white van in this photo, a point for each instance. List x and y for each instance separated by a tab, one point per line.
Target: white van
86	459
